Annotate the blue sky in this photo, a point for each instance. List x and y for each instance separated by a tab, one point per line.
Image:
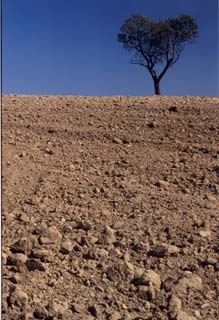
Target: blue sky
70	47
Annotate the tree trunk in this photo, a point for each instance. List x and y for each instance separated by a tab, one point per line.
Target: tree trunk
156	86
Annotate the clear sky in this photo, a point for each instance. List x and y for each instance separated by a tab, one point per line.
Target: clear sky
70	47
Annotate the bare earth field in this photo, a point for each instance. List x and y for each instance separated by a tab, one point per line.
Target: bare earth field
110	208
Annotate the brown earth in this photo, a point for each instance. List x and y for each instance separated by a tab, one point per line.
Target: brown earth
110	208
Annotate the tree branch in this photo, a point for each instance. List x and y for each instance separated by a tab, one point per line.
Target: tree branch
139	63
168	65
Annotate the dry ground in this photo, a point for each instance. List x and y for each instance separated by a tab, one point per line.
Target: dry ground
110	208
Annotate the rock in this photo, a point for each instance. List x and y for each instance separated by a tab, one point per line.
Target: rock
4	258
108	236
175	306
205	233
117	140
147	292
33	264
42	254
23	217
216	169
171	249
112	274
52	130
90	317
60	307
162	184
77	308
90	255
115	316
154	278
128	264
40	313
66	247
18	297
190	281
159	251
185	316
51	236
16	278
4	305
101	252
152	125
197	313
114	252
205	305
139	272
18	260
149	279
21	257
23	245
27	314
84	225
48	151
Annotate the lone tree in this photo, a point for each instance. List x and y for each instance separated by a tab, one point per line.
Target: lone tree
155	43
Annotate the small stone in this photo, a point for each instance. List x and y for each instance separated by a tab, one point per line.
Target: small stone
205	305
17	261
21	257
23	217
51	236
139	272
100	252
115	316
151	292
205	233
52	130
40	313
66	247
152	125
154	278
60	307
33	264
16	278
49	151
109	235
159	251
84	225
185	316
4	258
117	140
150	279
191	280
171	249
77	308
114	252
42	254
175	306
18	297
197	313
162	184
23	245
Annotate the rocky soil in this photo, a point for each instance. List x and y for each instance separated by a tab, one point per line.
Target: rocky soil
110	208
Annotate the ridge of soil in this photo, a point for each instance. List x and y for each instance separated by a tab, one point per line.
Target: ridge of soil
110	208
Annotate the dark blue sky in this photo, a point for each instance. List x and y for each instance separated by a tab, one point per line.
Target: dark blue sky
70	47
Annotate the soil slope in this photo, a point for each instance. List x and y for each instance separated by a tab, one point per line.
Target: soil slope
110	208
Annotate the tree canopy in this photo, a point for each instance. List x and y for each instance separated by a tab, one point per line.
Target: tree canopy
155	43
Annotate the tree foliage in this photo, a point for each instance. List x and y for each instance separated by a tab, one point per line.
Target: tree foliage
155	43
